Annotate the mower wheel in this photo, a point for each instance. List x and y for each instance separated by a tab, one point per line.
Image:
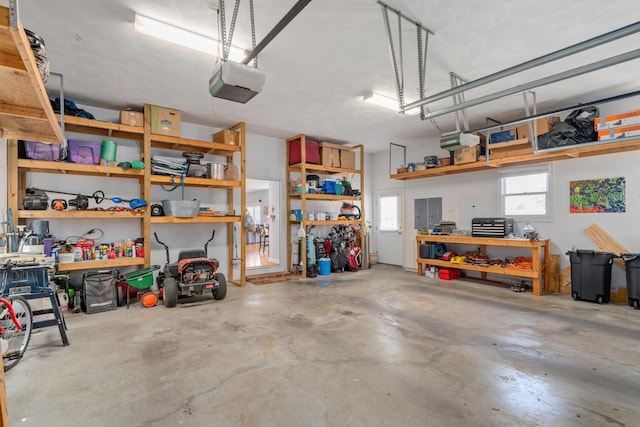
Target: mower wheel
121	298
170	292
221	291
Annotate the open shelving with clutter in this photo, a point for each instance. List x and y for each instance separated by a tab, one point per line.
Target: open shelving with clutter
302	200
233	154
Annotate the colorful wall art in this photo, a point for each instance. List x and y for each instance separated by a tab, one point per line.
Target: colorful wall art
602	195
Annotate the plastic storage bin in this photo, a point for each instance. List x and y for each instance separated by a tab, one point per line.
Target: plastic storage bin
632	264
40	151
85	152
591	275
23	279
312	151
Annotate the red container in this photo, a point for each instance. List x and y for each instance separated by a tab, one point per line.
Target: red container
312	151
445	161
449	274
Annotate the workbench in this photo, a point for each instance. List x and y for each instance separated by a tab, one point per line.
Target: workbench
540	256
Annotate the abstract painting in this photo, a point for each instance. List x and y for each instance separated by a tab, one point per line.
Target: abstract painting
604	195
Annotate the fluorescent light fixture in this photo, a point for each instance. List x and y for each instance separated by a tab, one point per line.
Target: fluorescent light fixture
386	102
149	26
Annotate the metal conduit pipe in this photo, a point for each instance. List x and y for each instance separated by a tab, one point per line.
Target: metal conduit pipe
562	53
634	54
288	17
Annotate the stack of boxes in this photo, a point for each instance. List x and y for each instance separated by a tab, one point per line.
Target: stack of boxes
618	125
337	156
517	141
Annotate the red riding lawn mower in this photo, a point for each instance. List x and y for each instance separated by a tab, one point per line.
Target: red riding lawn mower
192	275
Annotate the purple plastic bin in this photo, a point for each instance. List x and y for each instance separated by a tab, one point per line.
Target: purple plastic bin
85	152
40	151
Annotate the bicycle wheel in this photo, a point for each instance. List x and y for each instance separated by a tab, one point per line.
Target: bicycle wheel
15	341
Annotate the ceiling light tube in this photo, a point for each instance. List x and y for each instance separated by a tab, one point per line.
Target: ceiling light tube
386	102
170	33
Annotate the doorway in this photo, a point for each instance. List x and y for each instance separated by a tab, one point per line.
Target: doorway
390	214
262	239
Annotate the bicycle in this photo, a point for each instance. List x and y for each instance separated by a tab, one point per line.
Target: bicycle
16	324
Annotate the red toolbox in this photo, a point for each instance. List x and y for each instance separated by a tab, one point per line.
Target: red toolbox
449	273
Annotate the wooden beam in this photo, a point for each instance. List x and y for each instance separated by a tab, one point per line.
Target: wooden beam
606	243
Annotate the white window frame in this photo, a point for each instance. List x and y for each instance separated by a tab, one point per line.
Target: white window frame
532	170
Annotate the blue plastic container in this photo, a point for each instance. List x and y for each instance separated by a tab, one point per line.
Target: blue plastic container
324	265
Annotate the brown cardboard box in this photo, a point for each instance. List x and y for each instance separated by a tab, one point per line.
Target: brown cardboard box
330	154
231	173
131	118
544	125
165	121
347	159
226	137
466	155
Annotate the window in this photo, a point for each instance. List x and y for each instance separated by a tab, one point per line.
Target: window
255	212
389	213
526	193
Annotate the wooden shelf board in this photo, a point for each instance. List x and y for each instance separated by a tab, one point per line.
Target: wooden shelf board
507	271
97	127
78	169
332	197
197	219
78	214
185	144
194	182
309	167
100	263
25	111
489	241
444	170
510	144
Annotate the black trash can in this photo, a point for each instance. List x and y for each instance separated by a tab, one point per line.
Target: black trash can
632	264
591	275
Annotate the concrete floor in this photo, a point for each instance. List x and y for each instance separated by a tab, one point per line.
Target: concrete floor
380	347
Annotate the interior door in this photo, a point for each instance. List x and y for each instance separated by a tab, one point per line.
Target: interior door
389	226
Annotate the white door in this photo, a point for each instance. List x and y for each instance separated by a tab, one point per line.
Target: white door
390	212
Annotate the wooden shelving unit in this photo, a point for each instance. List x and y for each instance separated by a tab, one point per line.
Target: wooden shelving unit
25	111
19	168
540	256
301	170
230	153
581	150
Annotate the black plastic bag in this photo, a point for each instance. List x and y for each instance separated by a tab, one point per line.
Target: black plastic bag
560	135
583	120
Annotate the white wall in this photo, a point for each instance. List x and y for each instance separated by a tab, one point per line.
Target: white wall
476	194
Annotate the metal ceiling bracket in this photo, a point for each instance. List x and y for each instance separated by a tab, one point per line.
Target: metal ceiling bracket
397	56
404	153
458	98
13	13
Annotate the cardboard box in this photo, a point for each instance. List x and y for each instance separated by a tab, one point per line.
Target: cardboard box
544	125
619	132
516	150
502	136
347	159
330	154
131	118
228	137
165	121
617	120
466	155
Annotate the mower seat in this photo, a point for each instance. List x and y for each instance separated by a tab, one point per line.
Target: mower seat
191	253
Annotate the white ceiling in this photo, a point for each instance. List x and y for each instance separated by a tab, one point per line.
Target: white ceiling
319	66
